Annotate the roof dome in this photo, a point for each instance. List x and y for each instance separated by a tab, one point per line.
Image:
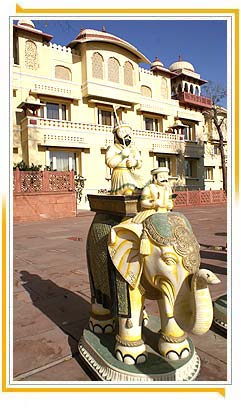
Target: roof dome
181	65
156	63
88	35
26	22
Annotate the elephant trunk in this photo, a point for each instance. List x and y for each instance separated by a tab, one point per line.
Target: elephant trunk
202	315
195	313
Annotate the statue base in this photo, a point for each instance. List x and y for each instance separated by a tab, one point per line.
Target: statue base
97	350
220	313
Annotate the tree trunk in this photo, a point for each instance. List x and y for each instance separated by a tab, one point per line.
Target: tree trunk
221	148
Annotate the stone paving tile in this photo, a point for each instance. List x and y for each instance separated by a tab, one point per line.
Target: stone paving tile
29	321
68	370
40	349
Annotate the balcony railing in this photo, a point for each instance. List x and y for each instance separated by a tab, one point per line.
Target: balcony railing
83	135
193	99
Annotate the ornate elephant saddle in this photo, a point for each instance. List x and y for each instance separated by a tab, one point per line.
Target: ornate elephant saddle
173	229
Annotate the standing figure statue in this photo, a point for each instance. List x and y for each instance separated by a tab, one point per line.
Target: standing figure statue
125	161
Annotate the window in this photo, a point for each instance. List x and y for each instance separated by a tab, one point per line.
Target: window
128	73
31	55
215	150
164	92
190	168
208	173
105	117
151	124
146	91
54	111
62	160
113	70
62	72
97	66
190	131
167	162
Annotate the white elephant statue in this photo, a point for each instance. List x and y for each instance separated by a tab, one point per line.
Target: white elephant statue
157	259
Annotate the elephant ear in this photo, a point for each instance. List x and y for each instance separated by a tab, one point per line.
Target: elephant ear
124	250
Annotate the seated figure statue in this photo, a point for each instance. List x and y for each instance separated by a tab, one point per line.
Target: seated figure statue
125	161
157	196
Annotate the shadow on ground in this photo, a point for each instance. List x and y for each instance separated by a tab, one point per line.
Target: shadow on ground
65	308
213	255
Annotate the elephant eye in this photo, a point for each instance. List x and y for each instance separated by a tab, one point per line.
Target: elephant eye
170	261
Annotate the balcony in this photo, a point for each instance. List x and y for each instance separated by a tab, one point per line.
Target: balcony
48	132
193	100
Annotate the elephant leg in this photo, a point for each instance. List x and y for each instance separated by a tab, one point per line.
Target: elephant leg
101	320
130	347
173	343
145	319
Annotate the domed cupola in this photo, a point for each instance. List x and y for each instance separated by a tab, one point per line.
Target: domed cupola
181	65
26	23
156	63
94	36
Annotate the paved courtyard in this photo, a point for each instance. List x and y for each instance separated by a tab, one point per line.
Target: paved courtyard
51	300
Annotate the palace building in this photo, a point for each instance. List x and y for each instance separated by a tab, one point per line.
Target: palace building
64	98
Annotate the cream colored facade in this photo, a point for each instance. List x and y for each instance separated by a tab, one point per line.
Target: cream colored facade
63	108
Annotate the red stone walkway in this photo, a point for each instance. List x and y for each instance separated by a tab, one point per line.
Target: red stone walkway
52	297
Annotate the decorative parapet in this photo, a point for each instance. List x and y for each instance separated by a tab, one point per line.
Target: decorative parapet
197	198
145	71
58	47
42	181
191	99
51	89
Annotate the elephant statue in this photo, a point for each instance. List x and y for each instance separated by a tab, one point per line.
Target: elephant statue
156	259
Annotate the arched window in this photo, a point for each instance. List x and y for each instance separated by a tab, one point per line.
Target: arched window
128	73
146	91
113	70
196	90
186	87
62	73
31	55
191	89
179	90
97	66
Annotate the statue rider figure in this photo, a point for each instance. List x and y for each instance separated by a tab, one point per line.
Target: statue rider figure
125	161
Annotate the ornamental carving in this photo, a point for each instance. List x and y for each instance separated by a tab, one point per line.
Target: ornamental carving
175	231
128	73
113	70
97	66
31	55
62	72
164	88
146	91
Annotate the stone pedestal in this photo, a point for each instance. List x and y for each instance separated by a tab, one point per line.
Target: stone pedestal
98	353
220	313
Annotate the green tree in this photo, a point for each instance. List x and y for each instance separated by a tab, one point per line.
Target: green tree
216	114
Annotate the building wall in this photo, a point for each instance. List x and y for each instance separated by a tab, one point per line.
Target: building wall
37	140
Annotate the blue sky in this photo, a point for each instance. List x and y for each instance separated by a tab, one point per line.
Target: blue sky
201	42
